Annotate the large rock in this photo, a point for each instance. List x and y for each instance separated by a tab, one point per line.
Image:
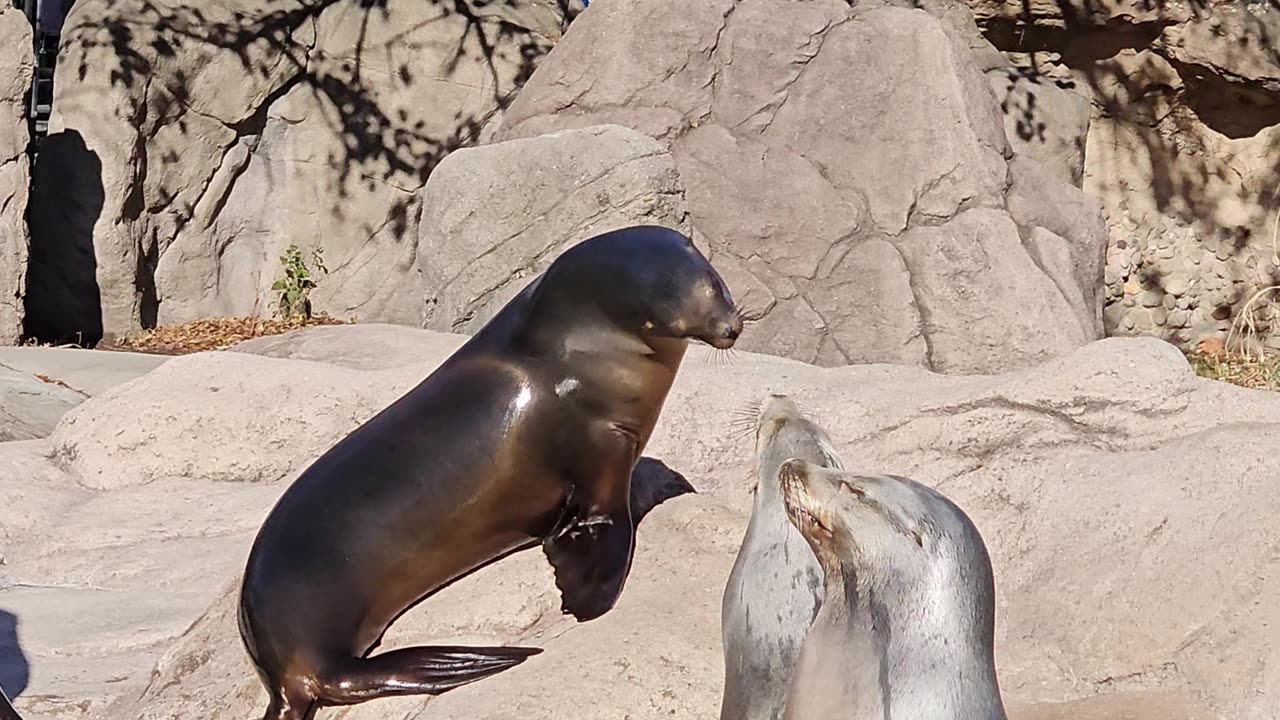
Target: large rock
30	407
15	84
822	148
495	217
215	136
165	437
88	372
1181	147
1127	505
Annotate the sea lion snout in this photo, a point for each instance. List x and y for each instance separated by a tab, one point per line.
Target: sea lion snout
719	321
724	333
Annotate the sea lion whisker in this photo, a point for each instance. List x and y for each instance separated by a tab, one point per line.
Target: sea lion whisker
749	407
786	586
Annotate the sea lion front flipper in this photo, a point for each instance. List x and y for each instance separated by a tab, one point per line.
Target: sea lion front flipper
423	670
652	484
591	558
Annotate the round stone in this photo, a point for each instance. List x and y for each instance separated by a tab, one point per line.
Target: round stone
1177	283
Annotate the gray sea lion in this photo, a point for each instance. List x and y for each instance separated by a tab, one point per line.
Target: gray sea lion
907	624
775	587
527	434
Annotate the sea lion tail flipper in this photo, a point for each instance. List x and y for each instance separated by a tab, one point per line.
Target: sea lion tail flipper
591	559
425	670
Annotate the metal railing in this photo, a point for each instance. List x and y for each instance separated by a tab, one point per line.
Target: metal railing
46	17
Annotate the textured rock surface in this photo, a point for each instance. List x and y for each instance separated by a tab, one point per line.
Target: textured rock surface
29	407
1127	505
15	83
88	372
494	217
40	385
1045	119
1181	149
810	183
215	136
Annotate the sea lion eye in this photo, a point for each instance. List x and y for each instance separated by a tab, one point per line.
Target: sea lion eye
915	535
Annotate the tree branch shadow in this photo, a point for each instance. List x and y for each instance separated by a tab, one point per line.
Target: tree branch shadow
1160	101
369	87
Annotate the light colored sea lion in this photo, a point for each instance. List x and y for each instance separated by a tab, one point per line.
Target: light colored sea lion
907	624
528	434
775	587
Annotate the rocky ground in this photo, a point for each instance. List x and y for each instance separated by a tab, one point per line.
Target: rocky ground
1126	503
932	211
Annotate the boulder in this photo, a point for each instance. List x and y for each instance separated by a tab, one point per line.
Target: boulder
89	372
1126	503
15	84
809	182
213	137
30	407
494	217
364	346
1045	119
169	431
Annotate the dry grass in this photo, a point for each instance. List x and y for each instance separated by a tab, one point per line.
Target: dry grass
1259	371
211	334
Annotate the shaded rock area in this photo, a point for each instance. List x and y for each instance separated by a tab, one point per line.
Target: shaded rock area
209	138
1127	506
1182	148
15	81
861	216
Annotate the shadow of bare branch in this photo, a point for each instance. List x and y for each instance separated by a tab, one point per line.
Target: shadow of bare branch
363	97
1188	95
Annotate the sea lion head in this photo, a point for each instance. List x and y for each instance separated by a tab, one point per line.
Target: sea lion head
784	432
890	531
648	280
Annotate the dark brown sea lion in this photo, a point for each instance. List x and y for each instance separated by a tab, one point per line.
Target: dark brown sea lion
528	434
6	708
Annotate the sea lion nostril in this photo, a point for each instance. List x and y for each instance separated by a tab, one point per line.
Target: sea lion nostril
732	332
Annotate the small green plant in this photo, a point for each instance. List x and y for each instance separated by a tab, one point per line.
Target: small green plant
295	287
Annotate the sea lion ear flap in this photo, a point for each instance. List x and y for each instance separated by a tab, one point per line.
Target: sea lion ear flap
591	559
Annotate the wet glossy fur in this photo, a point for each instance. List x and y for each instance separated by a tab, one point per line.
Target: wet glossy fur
7	711
528	434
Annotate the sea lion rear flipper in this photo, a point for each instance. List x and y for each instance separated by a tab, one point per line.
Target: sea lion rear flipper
424	670
591	559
